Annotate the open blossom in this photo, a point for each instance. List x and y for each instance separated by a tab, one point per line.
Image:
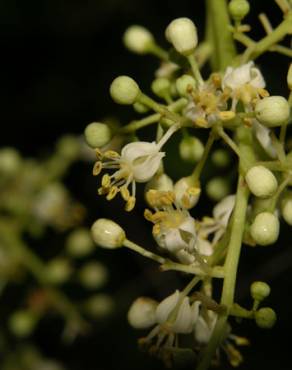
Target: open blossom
138	162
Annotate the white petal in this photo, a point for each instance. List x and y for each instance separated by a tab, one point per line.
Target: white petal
145	170
137	149
185	257
204	247
171	240
204	330
165	307
262	133
235	78
222	211
185	319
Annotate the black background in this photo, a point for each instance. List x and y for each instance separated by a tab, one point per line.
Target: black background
57	60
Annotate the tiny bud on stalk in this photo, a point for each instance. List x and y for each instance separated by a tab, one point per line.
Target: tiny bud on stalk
107	234
124	90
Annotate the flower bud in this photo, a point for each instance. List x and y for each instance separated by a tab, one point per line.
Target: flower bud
182	33
99	306
217	188
259	290
58	271
124	90
238	9
220	158
187	193
141	314
69	147
79	243
93	275
261	181
10	161
272	111
138	39
160	182
265	318
286	209
97	134
107	234
22	323
184	84
289	77
191	149
265	228
161	86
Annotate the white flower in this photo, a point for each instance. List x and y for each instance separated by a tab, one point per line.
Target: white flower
235	78
246	83
187	193
186	316
138	162
204	327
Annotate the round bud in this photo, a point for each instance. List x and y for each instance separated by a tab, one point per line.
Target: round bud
259	290
238	9
79	243
160	86
99	306
141	314
182	33
97	134
272	111
286	209
220	158
107	234
289	77
217	188
191	149
93	275
58	271
69	147
10	161
140	108
160	182
124	90
22	323
265	228
138	39
185	84
265	318
261	181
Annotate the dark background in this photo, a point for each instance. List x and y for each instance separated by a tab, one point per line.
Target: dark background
57	60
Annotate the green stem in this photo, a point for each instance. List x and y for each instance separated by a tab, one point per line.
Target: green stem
223	44
138	249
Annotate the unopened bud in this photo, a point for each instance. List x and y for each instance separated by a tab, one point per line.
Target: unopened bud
185	84
261	181
259	290
238	9
138	39
97	134
265	318
272	111
141	314
124	90
182	33
265	228
107	234
191	149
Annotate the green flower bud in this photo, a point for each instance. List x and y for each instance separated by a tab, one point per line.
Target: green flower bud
191	149
289	77
259	290
22	323
182	33
161	87
220	158
58	270
138	39
141	314
217	188
238	9
265	318
124	90
272	111
10	161
140	108
107	234
69	147
261	181
79	243
97	134
286	209
184	84
99	306
93	275
265	228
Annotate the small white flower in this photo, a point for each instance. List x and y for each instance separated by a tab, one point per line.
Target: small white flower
138	162
204	327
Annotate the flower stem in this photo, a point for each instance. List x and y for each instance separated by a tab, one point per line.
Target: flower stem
137	248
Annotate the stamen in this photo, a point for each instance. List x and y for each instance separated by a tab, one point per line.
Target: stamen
97	168
112	193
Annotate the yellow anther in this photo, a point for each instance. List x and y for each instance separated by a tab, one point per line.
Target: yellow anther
201	122
234	356
216	79
97	168
148	215
125	193
130	204
156	229
247	122
112	193
98	153
111	154
226	115
158	216
185	201
263	93
240	341
106	181
102	191
193	191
